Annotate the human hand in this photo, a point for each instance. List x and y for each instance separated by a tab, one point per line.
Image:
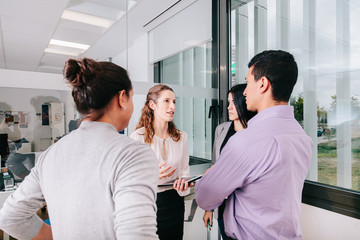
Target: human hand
44	233
182	185
208	218
165	172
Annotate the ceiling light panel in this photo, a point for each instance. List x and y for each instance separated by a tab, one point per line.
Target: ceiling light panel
86	18
66	49
69	44
62	52
78	28
98	9
115	4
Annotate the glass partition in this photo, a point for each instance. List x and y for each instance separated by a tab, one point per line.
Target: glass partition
189	73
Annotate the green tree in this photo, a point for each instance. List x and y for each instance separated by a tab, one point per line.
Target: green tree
355	104
321	114
298	104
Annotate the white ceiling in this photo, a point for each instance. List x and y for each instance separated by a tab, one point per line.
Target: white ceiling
26	27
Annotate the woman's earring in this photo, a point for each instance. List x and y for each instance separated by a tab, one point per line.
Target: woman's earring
124	108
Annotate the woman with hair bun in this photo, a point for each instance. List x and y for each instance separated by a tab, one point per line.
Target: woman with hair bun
156	128
97	183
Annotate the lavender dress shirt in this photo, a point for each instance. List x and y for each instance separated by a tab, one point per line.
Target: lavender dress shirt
260	173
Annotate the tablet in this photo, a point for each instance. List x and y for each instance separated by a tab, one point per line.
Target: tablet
189	179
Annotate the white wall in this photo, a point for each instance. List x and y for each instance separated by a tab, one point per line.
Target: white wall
138	62
33	80
318	224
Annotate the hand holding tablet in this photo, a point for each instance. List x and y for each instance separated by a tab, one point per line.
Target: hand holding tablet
188	179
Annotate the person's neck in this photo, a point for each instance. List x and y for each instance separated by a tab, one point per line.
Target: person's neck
107	118
161	129
269	104
237	125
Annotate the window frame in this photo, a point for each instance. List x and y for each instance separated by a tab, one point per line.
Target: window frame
335	199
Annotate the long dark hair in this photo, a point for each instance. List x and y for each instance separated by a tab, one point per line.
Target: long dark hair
94	84
147	115
239	99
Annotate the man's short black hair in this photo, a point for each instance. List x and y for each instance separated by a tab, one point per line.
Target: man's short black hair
280	68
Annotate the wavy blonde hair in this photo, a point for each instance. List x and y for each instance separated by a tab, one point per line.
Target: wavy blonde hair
147	115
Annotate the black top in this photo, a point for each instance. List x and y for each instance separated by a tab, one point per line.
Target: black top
230	132
228	135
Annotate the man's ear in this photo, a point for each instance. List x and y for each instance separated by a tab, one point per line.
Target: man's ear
264	84
152	105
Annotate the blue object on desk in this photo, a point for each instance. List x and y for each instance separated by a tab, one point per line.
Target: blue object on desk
47	221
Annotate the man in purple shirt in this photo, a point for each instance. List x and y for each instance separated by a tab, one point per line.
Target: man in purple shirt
261	170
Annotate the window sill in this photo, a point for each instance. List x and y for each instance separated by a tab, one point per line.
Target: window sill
332	198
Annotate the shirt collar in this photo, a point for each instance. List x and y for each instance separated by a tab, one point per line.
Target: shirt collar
96	124
279	111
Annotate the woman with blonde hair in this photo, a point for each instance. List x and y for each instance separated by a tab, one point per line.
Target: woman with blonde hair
156	128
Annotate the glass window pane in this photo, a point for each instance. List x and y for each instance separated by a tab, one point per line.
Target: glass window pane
326	97
191	72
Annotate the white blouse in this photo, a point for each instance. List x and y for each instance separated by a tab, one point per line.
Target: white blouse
177	156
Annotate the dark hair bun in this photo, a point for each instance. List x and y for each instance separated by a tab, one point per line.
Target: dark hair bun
79	72
94	84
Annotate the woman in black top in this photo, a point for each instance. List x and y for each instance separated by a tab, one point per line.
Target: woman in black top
238	116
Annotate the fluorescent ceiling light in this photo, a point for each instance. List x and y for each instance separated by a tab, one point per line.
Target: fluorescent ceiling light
56	51
69	44
86	18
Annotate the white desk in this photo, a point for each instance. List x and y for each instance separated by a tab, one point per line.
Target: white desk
3	196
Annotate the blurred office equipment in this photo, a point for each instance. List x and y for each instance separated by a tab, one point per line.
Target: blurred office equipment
20	165
7	181
53	115
57	121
